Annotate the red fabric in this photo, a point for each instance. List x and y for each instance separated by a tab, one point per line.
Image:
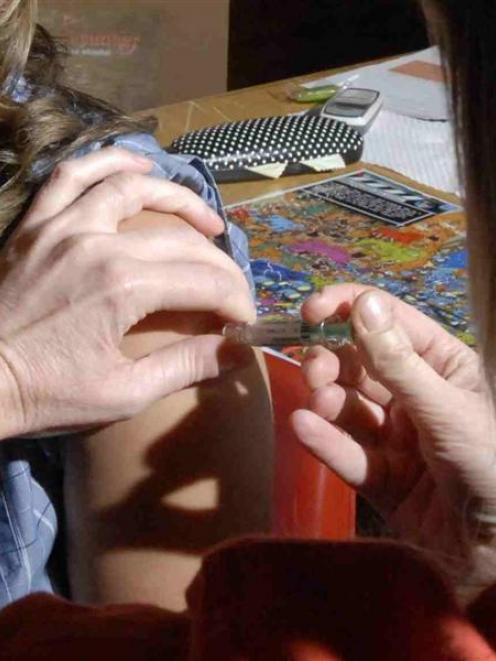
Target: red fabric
482	614
43	627
261	600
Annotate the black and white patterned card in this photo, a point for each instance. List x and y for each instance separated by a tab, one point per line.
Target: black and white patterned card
381	197
271	147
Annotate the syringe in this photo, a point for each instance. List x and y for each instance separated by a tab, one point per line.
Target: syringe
290	332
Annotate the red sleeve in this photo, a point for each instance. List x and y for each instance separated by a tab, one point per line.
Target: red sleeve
482	614
311	601
264	600
45	627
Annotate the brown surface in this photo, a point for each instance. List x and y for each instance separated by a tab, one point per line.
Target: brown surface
419	69
259	101
142	53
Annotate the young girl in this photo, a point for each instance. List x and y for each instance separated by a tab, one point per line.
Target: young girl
143	499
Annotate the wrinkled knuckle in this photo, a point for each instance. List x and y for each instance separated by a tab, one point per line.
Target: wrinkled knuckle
122	183
458	362
318	399
112	193
185	202
115	275
410	359
133	401
190	363
327	404
65	249
73	250
314	375
54	230
393	356
123	192
88	244
224	283
79	248
164	188
113	151
69	245
64	173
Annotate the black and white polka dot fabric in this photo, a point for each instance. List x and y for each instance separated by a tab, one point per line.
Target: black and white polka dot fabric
272	146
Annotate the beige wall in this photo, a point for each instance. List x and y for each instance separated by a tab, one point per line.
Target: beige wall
143	53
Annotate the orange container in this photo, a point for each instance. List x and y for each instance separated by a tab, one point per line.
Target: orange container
309	500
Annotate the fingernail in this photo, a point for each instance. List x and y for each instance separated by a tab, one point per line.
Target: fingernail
215	216
375	313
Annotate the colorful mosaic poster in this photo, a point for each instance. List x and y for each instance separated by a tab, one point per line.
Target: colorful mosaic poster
360	226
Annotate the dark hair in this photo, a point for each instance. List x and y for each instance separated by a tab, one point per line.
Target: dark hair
466	32
53	122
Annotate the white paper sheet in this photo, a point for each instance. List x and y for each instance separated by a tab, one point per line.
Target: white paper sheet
405	94
416	148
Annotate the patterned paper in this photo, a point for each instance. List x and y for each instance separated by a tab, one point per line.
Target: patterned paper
359	227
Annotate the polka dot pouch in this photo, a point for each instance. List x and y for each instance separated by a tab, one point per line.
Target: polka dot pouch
271	147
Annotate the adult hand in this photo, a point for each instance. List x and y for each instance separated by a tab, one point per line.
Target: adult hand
71	286
404	416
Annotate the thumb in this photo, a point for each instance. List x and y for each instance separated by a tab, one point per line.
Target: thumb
182	364
390	358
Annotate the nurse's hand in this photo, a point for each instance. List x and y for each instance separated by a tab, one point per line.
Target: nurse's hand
71	286
404	417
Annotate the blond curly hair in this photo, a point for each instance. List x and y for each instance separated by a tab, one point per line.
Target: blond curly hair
53	122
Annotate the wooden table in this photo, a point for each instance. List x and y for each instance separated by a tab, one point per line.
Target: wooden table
308	501
259	101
